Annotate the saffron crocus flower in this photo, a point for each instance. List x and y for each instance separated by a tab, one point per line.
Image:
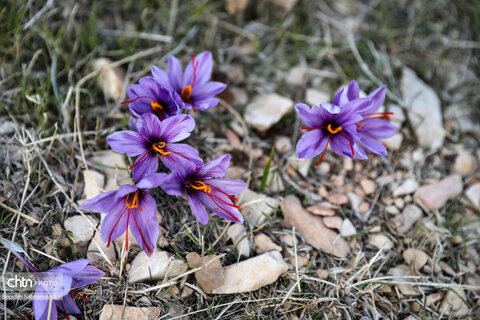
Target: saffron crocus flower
149	96
204	191
131	206
193	85
54	287
329	124
373	125
156	139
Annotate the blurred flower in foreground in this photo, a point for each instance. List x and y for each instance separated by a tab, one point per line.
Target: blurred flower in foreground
193	85
54	286
155	139
203	190
131	206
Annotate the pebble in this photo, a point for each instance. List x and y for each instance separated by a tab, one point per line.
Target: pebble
236	232
255	206
94	182
155	267
473	194
316	97
113	168
435	195
465	163
416	258
266	110
80	229
347	229
404	221
110	79
252	274
312	228
296	75
364	207
186	292
333	222
394	142
263	243
338	199
303	258
407	187
401	271
117	312
283	144
398	116
211	276
453	305
368	186
321	210
380	241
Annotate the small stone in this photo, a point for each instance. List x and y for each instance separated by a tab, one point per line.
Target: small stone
364	207
186	292
380	241
234	172
296	75
324	167
416	258
110	79
407	187
301	165
338	199
453	305
283	144
241	97
312	228
322	274
252	274
347	164
94	182
321	210
355	200
211	276
6	126
403	222
465	163
399	203
433	298
236	7
117	312
402	271
287	239
238	234
435	195
392	210
303	258
368	186
316	97
80	229
473	194
347	229
114	168
256	206
94	255
394	142
266	110
263	243
155	267
333	222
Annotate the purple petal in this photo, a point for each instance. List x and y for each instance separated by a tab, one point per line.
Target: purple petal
145	167
151	181
372	145
149	126
207	90
161	76
25	262
341	145
114	224
353	92
140	106
331	108
215	168
378	97
378	128
219	207
124	190
197	207
173	184
71	268
144	224
205	104
358	105
311	144
359	152
204	69
54	284
176	128
308	115
180	153
101	203
41	306
69	304
132	122
157	91
88	275
175	74
229	186
340	98
129	142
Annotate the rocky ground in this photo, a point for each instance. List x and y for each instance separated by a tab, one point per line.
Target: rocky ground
393	237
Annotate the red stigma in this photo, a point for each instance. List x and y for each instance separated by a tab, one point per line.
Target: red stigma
23	317
324	150
82	297
141	233
64	310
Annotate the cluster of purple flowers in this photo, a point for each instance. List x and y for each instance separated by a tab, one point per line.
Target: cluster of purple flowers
156	104
347	125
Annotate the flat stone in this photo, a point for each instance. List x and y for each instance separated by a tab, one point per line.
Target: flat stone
473	194
312	228
435	195
407	187
416	258
114	312
380	241
321	210
394	142
266	110
238	234
347	229
404	221
110	79
263	244
283	144
252	274
423	109
296	75
337	199
255	206
452	304
316	97
402	271
80	229
160	263
94	182
465	163
114	167
333	222
368	186
211	276
398	116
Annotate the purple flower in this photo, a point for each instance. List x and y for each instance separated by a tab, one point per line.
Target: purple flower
149	96
203	190
329	124
374	124
129	207
156	139
192	85
55	285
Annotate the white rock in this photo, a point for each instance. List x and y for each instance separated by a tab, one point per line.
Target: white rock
94	182
465	163
252	274
452	304
296	75
283	144
255	206
263	243
402	271
460	117
415	257
404	221
6	126
115	169
79	228
301	165
241	97
394	142
407	187
368	186
435	195
95	256
347	229
424	110
473	194
161	263
398	116
110	80
117	312
316	97
380	241
266	110
238	234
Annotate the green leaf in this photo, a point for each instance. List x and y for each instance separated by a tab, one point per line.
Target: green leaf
266	171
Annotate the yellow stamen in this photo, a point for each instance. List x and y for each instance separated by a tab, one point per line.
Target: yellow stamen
186	92
156	106
333	131
159	148
199	185
132	203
